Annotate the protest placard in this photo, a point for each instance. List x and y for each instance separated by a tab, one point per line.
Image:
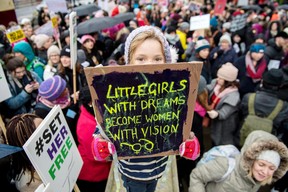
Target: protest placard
238	22
220	7
5	91
200	22
15	34
145	110
57	5
53	152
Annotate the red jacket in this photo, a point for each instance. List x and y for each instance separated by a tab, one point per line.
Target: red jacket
92	170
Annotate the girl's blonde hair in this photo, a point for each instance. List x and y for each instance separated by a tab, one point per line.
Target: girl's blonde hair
140	38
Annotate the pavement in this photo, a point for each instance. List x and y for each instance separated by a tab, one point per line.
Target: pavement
25	8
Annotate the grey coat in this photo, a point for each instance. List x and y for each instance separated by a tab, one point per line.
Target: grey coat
225	129
203	178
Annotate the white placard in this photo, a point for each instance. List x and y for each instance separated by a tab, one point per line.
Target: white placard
5	91
273	64
73	38
242	2
238	22
54	153
57	5
200	22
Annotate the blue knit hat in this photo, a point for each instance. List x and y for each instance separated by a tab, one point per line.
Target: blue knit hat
257	47
25	49
139	30
52	88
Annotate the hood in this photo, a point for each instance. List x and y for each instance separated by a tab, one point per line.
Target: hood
26	50
258	141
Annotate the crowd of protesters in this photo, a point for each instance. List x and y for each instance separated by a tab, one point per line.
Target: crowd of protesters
237	65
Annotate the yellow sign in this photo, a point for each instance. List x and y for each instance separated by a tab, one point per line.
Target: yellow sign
15	36
54	21
6	5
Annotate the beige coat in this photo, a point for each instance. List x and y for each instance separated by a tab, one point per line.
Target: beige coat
203	178
167	183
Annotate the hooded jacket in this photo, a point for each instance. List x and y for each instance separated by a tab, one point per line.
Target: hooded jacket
32	62
203	178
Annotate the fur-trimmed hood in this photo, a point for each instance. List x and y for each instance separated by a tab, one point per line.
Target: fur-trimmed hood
258	141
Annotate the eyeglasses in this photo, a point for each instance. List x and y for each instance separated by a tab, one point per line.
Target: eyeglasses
54	55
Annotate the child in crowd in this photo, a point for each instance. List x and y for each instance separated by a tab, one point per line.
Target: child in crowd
145	45
224	98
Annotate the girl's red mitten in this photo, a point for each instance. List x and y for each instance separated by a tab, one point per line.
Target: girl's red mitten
190	149
101	149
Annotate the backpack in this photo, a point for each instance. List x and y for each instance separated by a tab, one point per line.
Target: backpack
228	151
253	122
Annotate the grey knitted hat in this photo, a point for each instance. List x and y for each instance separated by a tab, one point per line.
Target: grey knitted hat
139	30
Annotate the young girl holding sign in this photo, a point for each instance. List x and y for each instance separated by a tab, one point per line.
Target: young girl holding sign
144	45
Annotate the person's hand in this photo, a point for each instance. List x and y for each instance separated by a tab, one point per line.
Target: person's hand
213	114
75	95
29	88
190	149
35	85
102	149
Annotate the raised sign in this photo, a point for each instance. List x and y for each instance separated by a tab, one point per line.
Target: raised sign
145	110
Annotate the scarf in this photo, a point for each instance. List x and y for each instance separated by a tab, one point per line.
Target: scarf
172	38
219	95
63	101
251	71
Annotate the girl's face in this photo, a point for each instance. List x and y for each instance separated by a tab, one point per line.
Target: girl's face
257	56
54	58
220	81
148	52
274	26
262	170
204	53
88	44
237	38
224	45
66	61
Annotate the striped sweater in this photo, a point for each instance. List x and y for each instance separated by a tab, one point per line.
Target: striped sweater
143	169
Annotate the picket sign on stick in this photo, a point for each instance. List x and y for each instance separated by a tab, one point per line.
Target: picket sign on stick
73	48
145	110
53	153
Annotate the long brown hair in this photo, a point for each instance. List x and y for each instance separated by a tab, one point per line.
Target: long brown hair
19	129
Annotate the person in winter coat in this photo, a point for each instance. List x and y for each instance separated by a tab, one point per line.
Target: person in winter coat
174	40
144	45
92	56
42	42
19	129
224	98
274	52
202	54
24	51
263	160
53	55
93	174
251	68
23	86
266	99
222	54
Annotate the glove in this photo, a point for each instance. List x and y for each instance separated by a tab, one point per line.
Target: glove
190	149
102	149
213	114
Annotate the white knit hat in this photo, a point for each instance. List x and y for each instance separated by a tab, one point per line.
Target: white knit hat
40	40
271	157
227	38
53	49
139	30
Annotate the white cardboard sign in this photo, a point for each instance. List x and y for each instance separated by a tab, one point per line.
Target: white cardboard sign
54	153
5	91
200	22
